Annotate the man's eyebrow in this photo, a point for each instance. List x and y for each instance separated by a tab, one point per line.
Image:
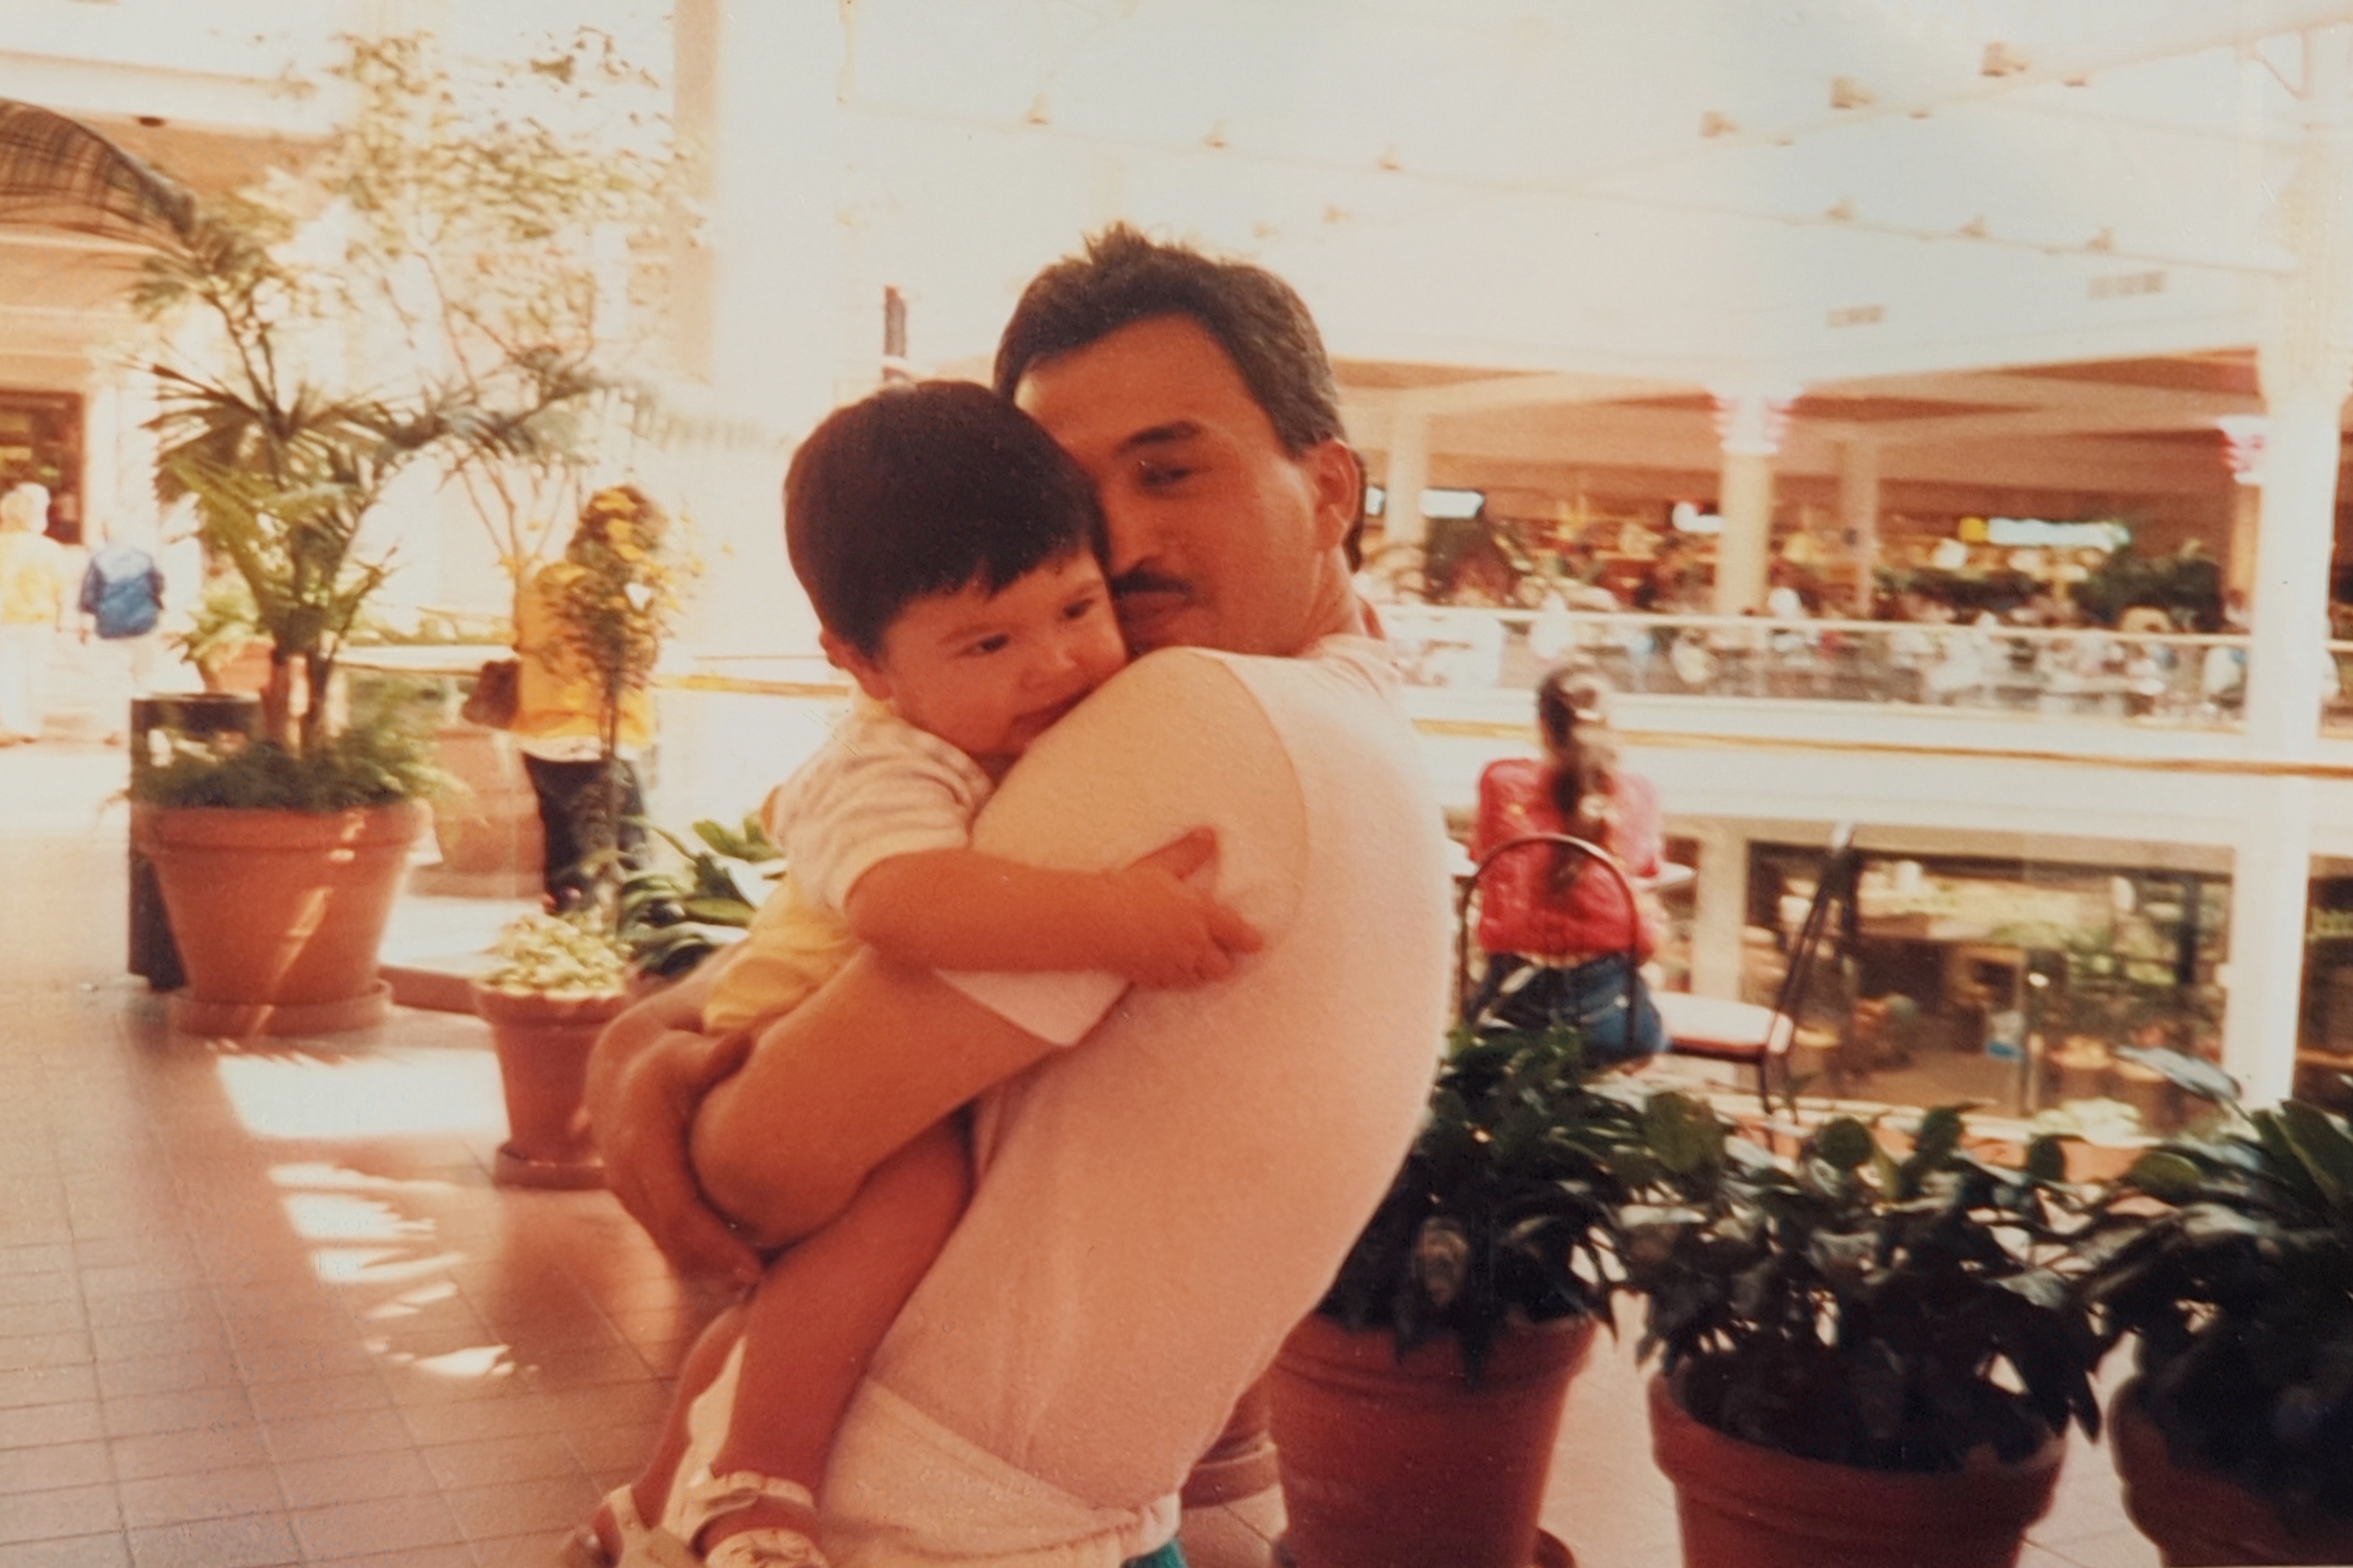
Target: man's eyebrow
1168	435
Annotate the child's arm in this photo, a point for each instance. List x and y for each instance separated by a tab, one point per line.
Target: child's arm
959	909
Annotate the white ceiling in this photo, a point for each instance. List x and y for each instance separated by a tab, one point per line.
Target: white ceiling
1629	195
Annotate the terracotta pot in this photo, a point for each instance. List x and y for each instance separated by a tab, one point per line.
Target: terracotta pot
1390	1464
1744	1506
542	1043
1241	1462
489	822
2195	1516
278	914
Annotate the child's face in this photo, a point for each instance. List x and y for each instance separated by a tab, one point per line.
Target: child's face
989	674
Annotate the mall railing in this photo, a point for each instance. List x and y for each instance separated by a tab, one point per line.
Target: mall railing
2189	679
2184	678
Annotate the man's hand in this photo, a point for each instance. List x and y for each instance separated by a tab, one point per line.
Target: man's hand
1168	933
647	1076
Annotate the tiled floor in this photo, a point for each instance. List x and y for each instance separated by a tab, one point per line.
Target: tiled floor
262	1305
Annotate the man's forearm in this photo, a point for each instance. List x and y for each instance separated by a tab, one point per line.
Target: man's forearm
837	1086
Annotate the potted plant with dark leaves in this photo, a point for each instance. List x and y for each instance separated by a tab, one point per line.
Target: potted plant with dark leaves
2226	1253
1415	1411
1868	1357
671	919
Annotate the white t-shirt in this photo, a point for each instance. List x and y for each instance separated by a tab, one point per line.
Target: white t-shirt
1157	1204
878	788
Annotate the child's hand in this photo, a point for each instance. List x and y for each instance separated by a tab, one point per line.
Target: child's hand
1168	933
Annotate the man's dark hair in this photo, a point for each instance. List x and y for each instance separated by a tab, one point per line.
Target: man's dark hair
1125	276
928	487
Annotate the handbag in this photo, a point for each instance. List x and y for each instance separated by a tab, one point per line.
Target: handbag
497	696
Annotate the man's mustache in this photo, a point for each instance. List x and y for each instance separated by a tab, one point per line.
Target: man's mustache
1142	581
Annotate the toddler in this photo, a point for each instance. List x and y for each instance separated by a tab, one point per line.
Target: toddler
951	552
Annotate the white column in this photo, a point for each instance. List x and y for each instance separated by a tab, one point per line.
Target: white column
1719	910
2305	363
759	317
1858	497
1749	421
1408	476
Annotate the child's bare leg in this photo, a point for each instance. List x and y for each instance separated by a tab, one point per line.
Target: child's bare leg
817	1316
650	1491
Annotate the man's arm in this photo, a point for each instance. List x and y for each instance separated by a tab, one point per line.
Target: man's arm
963	909
880	1053
648	1072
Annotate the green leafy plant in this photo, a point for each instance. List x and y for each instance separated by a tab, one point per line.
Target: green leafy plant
383	755
1850	1306
1506	1205
557	955
2227	1253
670	921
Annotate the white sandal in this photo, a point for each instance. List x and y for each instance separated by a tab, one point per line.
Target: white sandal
642	1545
709	1497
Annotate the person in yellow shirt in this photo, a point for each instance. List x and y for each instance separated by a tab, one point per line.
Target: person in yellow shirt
32	607
559	719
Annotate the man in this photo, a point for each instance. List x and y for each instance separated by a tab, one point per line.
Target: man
1164	1182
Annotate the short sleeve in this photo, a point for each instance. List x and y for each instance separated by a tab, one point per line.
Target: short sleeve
878	789
1175	742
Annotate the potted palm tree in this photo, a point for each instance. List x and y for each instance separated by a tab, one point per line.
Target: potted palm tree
2226	1252
1868	1357
278	860
1414	1411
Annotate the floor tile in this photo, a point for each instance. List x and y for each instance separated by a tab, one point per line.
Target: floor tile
356	1477
185	1410
47	1385
54	1465
69	1348
344	1530
550	1506
498	1460
76	1421
186	1453
205	1494
61	1511
254	1541
108	1551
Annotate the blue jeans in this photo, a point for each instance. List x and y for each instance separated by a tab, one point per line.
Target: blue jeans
1605	1000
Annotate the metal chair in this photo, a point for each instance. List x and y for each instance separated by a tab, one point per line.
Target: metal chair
1719	1029
1585	847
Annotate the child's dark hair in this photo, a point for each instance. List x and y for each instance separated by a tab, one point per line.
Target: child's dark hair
923	489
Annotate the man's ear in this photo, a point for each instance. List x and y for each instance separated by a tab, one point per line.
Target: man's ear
1338	482
843	656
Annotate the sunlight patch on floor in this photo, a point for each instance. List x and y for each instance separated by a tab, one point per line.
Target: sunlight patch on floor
299	1096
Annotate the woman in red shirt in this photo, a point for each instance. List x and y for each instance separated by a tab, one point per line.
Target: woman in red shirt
1563	939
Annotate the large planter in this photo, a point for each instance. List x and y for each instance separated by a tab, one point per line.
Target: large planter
2195	1516
1395	1463
1744	1506
278	914
1241	1462
542	1043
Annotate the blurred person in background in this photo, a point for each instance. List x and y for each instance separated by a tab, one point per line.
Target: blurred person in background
121	600
1565	940
32	608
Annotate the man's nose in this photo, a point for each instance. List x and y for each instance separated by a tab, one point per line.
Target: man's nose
1126	538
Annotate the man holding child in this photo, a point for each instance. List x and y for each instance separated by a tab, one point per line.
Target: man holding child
1163	1180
